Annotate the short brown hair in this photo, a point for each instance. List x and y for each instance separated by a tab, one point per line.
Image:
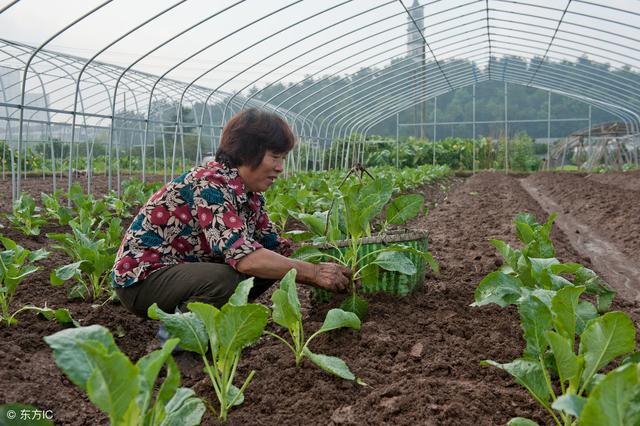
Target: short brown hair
250	134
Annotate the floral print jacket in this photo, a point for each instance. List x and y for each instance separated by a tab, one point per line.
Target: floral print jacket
204	215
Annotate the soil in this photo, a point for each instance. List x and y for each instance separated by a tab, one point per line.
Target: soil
419	355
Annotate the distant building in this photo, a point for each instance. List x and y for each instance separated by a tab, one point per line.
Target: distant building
415	42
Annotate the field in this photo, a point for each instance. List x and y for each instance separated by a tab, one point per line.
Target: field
419	355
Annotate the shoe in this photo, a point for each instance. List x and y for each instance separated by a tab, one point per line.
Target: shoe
163	335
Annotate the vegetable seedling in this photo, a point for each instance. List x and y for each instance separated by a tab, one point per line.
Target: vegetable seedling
286	313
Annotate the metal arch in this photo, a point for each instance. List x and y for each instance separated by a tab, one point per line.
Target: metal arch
164	43
615	91
545	88
582	99
328	95
8	6
205	48
362	61
16	191
609	108
319	114
426	42
550	41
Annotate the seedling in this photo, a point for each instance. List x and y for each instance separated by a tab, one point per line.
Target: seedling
552	317
355	206
219	335
286	312
123	390
16	263
25	216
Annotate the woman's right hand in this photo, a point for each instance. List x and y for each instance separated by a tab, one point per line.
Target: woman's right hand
332	277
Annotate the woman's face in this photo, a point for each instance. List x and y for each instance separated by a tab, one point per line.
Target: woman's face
261	178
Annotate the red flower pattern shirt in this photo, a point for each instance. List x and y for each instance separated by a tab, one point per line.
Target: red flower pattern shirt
204	215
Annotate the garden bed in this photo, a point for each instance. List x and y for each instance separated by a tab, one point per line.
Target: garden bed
419	355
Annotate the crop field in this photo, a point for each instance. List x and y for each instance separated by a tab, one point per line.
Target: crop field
417	357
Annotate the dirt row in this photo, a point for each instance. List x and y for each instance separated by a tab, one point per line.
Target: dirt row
602	202
419	355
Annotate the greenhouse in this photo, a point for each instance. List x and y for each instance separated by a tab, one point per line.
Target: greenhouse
435	205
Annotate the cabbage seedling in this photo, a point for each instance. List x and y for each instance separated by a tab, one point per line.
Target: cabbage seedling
219	335
121	389
286	312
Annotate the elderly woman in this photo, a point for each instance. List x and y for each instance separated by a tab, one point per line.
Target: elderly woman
207	230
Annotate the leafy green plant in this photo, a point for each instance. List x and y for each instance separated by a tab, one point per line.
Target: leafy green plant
218	336
286	313
25	216
60	315
535	267
551	321
553	318
54	209
350	219
121	389
16	263
93	254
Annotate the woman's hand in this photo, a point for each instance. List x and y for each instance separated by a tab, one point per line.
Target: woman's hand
332	277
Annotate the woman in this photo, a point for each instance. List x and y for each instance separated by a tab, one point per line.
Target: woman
205	231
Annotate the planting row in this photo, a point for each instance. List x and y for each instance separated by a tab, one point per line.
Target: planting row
554	317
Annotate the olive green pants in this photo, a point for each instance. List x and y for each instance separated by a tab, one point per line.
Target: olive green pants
175	286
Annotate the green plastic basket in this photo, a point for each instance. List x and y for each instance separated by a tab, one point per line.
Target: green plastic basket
388	281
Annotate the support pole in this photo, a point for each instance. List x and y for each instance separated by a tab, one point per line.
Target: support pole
435	128
549	130
397	140
506	131
473	103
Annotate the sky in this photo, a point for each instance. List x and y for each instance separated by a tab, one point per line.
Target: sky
254	42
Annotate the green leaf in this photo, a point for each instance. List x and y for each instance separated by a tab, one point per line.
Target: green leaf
585	312
149	367
357	305
330	364
298	235
39	254
524	232
337	318
566	360
527	373
186	326
404	208
184	409
615	400
315	222
536	320
395	261
563	306
61	315
570	404
206	313
604	339
286	305
239	326
70	358
498	288
240	295
509	255
66	272
114	381
169	385
521	421
308	254
235	395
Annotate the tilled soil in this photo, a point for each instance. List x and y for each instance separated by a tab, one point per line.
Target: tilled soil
611	208
419	355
